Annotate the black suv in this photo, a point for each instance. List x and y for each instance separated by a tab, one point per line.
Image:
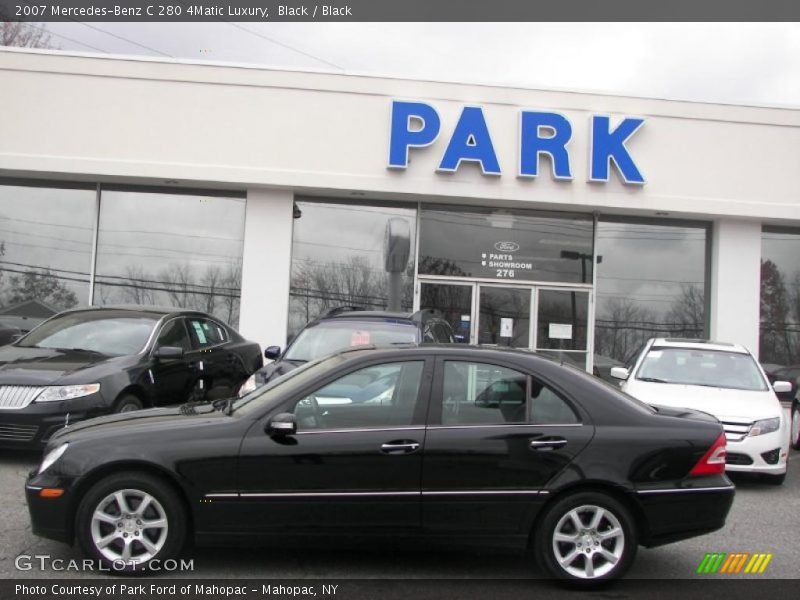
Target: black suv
348	326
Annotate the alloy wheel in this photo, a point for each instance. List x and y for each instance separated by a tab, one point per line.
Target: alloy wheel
129	526
588	541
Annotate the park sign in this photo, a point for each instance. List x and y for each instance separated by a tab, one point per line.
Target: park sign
417	124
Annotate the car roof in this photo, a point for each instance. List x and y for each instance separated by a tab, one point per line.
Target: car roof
467	351
369	314
159	311
698	344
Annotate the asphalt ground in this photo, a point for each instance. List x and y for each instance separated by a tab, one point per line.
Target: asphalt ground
764	518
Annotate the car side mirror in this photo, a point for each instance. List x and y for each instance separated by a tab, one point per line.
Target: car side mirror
272	352
619	373
782	387
169	353
282	424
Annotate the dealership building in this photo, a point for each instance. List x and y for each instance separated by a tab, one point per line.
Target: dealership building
574	224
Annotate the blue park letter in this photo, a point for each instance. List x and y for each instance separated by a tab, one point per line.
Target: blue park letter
532	144
471	141
402	137
609	146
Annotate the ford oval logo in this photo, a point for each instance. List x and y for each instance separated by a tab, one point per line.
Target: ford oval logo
506	246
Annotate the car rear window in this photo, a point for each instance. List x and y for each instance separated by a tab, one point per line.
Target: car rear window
332	336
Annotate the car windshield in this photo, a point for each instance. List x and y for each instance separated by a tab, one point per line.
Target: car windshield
328	337
711	368
112	334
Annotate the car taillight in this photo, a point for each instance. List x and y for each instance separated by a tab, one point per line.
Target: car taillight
713	461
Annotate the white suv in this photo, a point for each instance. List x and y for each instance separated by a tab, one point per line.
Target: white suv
725	381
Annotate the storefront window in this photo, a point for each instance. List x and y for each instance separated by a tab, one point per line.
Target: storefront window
779	341
650	282
506	245
350	255
178	250
45	252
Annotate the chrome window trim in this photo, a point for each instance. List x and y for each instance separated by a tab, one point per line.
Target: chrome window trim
422	428
483	492
361	430
686	490
505	425
375	494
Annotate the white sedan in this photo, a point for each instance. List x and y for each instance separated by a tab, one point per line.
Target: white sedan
725	381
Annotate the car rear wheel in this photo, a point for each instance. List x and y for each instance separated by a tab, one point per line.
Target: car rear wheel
127	520
586	537
127	403
796	426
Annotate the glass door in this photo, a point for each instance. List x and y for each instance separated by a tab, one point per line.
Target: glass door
562	318
504	316
553	321
454	301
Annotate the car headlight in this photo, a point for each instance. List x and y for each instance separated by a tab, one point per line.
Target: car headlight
248	386
51	457
54	393
765	426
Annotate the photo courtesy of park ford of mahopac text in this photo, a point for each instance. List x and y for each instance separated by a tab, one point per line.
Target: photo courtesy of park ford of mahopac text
399	300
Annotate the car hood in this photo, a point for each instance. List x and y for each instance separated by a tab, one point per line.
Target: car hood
723	403
43	366
114	426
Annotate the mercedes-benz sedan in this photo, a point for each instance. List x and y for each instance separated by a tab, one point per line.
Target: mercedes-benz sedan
436	444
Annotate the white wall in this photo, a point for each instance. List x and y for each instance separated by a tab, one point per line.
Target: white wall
229	126
736	282
266	266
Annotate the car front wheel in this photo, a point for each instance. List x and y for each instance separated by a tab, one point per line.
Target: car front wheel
127	520
127	403
586	537
796	426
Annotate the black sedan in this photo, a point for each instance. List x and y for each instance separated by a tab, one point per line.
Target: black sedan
90	362
446	444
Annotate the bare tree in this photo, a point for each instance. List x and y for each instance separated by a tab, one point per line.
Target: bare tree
623	326
321	286
686	317
136	291
25	35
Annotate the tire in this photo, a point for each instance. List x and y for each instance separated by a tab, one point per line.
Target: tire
795	426
106	538
127	403
611	542
774	479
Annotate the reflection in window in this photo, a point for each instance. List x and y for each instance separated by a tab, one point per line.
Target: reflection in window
650	282
779	340
189	256
477	393
508	245
350	255
45	252
377	396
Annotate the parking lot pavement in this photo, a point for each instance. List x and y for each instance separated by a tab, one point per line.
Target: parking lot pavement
763	519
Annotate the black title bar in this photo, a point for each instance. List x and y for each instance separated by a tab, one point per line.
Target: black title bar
400	10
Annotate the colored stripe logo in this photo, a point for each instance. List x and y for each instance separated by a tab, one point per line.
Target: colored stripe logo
734	563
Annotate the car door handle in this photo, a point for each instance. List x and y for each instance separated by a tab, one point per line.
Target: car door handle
548	444
400	447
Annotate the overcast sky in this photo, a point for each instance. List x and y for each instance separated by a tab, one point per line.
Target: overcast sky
740	63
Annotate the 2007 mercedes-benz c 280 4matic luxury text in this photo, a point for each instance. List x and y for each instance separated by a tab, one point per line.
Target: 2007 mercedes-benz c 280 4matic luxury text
426	443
